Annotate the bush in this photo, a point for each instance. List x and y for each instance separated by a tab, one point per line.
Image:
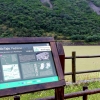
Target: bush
77	37
94	38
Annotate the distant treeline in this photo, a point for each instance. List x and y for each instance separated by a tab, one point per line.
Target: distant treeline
68	19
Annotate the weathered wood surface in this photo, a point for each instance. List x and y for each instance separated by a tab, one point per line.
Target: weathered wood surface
26	40
61	55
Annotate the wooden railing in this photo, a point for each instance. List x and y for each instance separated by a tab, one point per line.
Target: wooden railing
73	73
83	93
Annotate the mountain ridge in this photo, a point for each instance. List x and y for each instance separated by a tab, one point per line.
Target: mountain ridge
67	19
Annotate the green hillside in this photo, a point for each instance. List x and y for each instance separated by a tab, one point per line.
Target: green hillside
63	19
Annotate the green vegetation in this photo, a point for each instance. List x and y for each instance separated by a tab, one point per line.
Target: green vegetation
68	19
68	89
79	87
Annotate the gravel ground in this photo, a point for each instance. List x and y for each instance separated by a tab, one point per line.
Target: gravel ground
95	8
47	1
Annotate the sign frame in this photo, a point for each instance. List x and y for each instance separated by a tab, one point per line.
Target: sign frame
36	87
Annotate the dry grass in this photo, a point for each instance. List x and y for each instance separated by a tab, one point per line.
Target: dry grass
83	64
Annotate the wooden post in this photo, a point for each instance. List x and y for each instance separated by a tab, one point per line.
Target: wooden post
73	67
59	92
85	96
16	97
61	55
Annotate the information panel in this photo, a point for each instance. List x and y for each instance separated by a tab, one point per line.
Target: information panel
26	64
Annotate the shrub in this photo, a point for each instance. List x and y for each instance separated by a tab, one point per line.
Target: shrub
94	38
77	37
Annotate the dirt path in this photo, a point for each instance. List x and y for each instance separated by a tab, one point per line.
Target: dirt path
94	7
47	1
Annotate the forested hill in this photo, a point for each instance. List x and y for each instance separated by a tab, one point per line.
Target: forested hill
63	19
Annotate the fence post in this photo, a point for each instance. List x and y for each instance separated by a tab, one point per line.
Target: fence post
16	97
59	92
73	66
61	54
85	96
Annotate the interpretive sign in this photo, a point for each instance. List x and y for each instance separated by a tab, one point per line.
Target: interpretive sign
28	64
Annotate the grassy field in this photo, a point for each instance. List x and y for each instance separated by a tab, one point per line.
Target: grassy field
83	64
68	89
